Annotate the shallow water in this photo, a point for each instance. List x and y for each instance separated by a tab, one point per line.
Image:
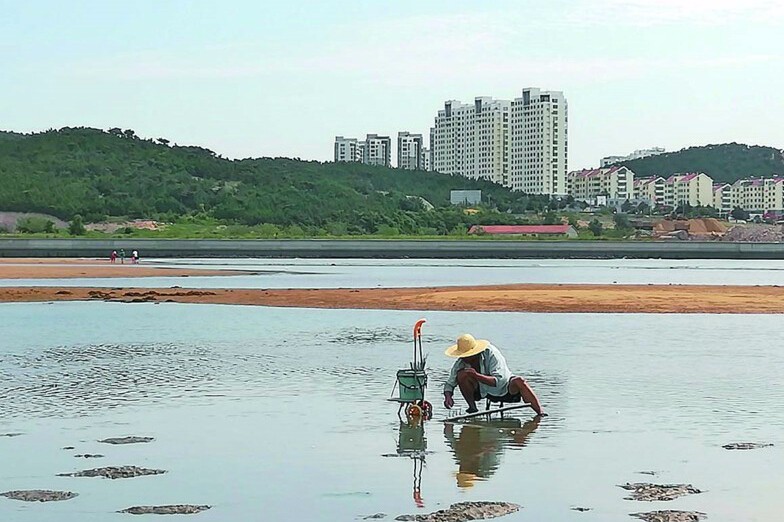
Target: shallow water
368	273
280	414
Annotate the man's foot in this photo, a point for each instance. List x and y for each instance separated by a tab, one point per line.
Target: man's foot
472	409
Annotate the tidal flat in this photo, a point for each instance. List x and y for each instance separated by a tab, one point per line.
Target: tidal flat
281	413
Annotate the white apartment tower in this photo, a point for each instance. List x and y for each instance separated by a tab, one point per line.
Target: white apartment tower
472	140
426	160
377	150
348	149
539	151
521	144
409	151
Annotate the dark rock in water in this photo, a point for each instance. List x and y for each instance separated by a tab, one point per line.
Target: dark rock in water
68	447
39	495
463	511
89	456
581	509
651	473
670	516
174	509
377	516
115	472
127	440
653	492
9	435
746	445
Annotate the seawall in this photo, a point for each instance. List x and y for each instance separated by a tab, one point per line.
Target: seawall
389	249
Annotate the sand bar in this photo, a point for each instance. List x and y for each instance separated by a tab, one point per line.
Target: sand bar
66	268
504	298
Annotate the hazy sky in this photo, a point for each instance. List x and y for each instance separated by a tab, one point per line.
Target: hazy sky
262	78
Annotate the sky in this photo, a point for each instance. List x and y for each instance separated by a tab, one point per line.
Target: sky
250	78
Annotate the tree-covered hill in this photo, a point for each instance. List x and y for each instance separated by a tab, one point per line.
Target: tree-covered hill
727	162
100	174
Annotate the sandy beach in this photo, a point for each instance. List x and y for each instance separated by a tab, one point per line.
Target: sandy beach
65	268
505	298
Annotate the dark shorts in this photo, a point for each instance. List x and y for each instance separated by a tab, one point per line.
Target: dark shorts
505	399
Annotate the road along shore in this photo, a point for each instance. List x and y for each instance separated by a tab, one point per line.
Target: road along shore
503	298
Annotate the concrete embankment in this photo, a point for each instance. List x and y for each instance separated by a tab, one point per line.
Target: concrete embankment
390	249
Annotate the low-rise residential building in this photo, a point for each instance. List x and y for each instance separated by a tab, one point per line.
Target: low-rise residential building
758	194
695	189
613	182
722	197
649	189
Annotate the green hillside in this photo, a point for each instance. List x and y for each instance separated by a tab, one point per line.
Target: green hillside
101	174
727	162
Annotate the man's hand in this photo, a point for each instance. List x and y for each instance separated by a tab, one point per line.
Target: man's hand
469	371
449	402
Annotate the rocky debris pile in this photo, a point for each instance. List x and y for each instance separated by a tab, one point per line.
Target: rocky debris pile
581	509
39	495
174	509
89	456
653	492
127	440
115	472
9	435
463	511
746	445
670	516
755	233
375	516
702	228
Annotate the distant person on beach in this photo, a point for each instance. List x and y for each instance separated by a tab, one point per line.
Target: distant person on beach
135	257
122	256
480	372
113	256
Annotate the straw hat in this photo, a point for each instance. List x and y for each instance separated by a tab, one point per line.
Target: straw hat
467	346
465	479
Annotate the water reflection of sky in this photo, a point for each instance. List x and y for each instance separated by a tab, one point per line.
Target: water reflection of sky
345	273
281	413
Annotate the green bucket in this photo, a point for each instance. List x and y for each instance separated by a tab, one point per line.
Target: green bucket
411	384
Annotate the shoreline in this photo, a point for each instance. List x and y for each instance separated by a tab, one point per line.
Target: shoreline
537	298
456	248
69	268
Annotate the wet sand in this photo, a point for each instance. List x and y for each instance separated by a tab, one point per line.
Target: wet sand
39	268
504	298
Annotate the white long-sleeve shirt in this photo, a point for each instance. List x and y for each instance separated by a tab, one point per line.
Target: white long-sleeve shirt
491	363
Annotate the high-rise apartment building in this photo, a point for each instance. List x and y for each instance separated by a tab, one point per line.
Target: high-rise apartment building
521	144
471	140
348	149
539	151
377	150
409	151
425	161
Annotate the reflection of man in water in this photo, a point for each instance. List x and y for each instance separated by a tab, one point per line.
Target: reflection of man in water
478	447
480	371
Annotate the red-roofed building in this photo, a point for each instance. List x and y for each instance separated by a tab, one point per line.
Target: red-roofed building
614	182
567	231
696	189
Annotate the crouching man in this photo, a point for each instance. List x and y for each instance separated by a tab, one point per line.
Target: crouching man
480	371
